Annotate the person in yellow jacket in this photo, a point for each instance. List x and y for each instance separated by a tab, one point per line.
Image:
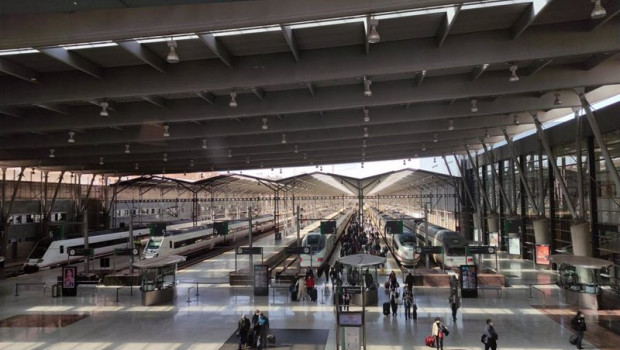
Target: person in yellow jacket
438	333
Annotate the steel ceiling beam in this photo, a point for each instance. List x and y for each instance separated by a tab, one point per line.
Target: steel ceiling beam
72	59
535	66
206	96
528	17
218	49
399	57
57	108
612	8
289	36
18	71
144	54
446	23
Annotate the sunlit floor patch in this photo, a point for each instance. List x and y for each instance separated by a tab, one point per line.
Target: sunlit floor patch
20	346
41	320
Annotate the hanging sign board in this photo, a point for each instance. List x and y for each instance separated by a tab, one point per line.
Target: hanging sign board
297	250
482	249
429	249
328	227
394	227
249	251
220	228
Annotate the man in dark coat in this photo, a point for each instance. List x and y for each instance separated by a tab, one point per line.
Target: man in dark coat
243	329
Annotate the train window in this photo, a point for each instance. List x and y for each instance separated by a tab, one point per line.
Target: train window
171	244
104	262
62	249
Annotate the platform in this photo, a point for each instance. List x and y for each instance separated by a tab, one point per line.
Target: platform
35	320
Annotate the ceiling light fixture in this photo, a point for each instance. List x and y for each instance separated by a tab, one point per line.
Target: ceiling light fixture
557	101
166	130
204	143
305	156
515	119
247	160
127	150
366	114
100	160
367	83
296	149
435	139
321	168
404	162
364	144
265	126
172	57
71	134
598	11
229	153
165	159
137	166
104	109
283	139
365	132
191	163
261	164
280	171
362	165
423	147
373	35
513	74
486	134
474	105
233	101
451	125
52	153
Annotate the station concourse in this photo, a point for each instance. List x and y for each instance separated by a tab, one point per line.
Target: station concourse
193	150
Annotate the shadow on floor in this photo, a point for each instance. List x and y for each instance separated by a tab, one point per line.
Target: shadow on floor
289	339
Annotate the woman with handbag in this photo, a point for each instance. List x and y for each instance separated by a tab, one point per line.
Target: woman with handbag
438	333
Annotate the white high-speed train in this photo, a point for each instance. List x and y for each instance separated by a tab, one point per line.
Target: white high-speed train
188	240
402	245
321	245
49	253
454	245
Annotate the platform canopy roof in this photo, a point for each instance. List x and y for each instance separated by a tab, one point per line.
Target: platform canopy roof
92	86
401	182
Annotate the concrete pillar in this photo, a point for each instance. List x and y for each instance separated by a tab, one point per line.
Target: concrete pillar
541	231
580	236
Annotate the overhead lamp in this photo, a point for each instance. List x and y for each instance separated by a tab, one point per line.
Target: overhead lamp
204	143
363	154
321	168
423	147
233	101
305	156
127	150
71	134
598	11
435	139
166	130
137	166
373	35
283	139
229	153
367	83
247	160
513	74
364	144
486	134
165	159
100	160
474	105
362	165
104	109
434	160
515	119
404	162
191	163
172	57
557	101
296	150
261	164
265	126
366	114
316	166
280	171
52	153
365	132
415	155
451	125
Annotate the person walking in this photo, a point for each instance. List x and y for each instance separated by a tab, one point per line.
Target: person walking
263	323
394	301
243	329
409	282
301	288
489	336
578	323
407	303
455	303
437	332
346	300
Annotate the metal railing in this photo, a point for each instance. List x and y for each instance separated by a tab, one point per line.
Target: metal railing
17	285
121	287
532	288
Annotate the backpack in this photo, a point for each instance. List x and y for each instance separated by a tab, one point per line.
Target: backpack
445	330
483	339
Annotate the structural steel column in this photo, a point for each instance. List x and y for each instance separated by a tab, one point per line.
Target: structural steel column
592	161
513	154
496	178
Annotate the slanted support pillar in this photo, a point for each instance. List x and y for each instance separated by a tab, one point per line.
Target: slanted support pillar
513	154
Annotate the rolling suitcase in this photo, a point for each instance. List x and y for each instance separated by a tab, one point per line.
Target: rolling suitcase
386	308
313	294
430	341
271	340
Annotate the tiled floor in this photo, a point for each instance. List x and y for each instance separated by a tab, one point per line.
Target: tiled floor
209	320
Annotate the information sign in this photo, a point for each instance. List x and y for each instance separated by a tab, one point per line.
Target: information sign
220	228
350	319
350	290
126	251
249	251
297	250
514	246
157	229
328	227
429	249
481	249
261	280
81	252
394	227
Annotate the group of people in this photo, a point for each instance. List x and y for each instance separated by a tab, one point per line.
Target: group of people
253	333
305	285
439	331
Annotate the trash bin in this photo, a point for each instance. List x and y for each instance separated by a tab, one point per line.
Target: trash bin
56	290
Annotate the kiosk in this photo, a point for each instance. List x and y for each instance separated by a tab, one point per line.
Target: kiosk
158	279
361	270
579	279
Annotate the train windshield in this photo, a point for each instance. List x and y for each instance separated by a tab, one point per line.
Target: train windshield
154	244
40	249
316	242
456	251
407	239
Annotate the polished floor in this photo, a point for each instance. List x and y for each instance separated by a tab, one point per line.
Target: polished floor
93	320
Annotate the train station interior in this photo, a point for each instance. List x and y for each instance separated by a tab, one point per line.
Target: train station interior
169	166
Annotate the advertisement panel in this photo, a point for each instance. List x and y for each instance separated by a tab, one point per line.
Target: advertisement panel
261	280
469	281
494	239
542	254
514	246
69	281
